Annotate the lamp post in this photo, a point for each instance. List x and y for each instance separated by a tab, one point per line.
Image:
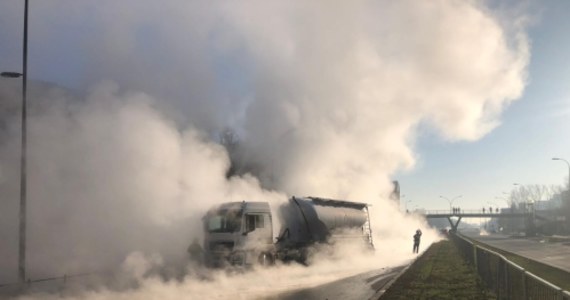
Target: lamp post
451	200
23	174
562	159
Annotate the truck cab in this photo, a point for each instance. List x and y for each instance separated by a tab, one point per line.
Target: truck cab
238	233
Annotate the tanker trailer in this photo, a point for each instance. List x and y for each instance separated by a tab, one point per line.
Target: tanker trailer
311	220
241	233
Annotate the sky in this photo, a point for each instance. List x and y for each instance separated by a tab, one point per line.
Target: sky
447	97
533	130
518	150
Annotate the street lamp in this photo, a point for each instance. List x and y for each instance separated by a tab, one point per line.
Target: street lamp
562	159
23	177
451	200
406	204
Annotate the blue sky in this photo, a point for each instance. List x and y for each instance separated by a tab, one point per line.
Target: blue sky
534	129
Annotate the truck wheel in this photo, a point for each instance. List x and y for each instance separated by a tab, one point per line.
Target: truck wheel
265	259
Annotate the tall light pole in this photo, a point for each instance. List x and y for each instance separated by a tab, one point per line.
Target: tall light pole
451	200
406	204
23	174
562	159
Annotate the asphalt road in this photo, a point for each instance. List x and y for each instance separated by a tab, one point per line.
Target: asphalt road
553	254
367	285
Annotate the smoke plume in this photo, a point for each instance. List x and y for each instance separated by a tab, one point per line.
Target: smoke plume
326	99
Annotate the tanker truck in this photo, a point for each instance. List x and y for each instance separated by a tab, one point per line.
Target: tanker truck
241	233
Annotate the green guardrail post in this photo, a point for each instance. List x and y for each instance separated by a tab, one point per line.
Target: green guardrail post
475	258
507	281
524	293
499	278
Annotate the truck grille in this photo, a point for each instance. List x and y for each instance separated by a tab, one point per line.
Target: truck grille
221	246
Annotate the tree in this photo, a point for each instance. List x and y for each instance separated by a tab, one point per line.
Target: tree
526	198
522	195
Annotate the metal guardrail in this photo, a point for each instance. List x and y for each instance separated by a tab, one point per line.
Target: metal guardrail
466	211
505	278
56	284
63	279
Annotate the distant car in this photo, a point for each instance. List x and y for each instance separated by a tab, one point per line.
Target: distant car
443	231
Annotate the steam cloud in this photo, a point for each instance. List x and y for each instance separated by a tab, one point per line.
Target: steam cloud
326	98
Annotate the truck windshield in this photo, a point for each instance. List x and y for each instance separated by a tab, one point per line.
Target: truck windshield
224	221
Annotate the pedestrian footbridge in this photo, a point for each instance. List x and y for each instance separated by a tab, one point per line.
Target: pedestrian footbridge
434	214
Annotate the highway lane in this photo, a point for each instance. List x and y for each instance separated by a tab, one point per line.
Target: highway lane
365	285
368	285
553	254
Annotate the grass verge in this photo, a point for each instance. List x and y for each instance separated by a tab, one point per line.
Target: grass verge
440	273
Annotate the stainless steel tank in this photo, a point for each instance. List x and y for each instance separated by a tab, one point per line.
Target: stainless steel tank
309	220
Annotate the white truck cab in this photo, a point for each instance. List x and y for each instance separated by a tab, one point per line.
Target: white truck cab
238	233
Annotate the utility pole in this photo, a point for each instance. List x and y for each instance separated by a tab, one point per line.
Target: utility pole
23	167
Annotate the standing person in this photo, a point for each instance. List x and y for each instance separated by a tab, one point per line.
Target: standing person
417	238
196	253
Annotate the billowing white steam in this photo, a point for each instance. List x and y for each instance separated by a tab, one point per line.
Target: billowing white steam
110	175
325	96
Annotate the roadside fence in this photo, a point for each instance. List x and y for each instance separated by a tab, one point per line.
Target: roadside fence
505	278
50	284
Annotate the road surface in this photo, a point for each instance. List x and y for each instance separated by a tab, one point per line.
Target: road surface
367	285
553	254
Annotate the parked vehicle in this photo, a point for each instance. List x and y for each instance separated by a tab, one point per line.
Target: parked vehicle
241	233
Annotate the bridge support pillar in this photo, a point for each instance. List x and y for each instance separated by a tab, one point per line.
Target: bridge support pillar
454	225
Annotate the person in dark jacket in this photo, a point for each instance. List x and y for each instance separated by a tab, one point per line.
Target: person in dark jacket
196	253
417	238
